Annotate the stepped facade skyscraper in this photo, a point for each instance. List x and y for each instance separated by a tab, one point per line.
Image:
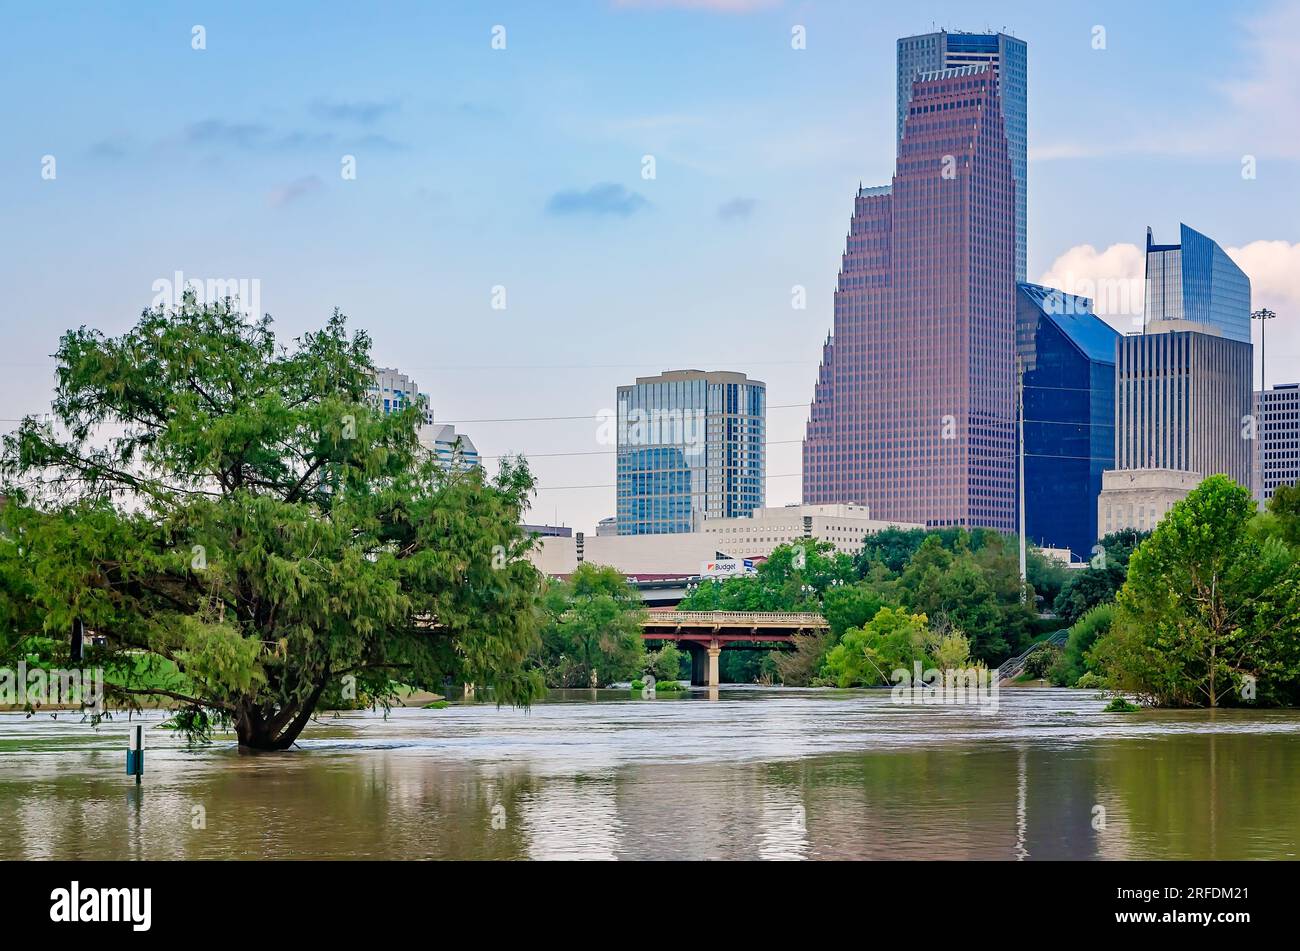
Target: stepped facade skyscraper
1008	57
913	410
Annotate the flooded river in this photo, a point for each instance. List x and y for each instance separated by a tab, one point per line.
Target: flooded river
748	773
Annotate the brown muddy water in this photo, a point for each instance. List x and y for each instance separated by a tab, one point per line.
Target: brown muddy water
745	773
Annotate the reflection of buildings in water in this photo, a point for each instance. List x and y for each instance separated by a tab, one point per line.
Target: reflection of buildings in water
570	818
783	831
692	811
1022	797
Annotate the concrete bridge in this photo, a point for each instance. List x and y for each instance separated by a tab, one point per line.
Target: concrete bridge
705	634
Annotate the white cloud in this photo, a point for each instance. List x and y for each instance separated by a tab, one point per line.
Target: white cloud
1112	279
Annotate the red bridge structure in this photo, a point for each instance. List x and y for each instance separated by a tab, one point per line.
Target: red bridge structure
705	634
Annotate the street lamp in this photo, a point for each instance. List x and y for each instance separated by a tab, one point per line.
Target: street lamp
1263	315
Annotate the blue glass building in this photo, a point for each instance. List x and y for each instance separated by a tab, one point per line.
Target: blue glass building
1195	281
1009	57
691	446
1067	355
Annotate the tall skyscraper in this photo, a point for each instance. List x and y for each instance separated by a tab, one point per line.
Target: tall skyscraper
1183	387
1194	285
1008	57
1068	357
1277	415
691	446
913	409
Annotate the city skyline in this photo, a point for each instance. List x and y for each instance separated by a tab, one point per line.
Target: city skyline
518	172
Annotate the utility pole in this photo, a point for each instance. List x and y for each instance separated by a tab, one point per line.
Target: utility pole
1263	315
1020	419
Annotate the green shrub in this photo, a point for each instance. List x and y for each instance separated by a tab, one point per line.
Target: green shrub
1121	705
1041	661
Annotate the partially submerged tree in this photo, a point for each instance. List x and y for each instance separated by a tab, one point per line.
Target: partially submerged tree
243	513
592	631
1209	613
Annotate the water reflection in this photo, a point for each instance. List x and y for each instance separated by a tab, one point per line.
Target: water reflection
757	774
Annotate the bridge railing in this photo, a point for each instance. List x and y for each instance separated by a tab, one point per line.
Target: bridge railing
737	617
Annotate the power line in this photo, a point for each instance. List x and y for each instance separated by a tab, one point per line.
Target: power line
606	452
586	416
612	485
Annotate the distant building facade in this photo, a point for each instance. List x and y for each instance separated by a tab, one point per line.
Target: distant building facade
548	531
607	526
1277	420
844	526
1140	498
691	446
913	410
393	390
1008	57
1067	356
754	536
452	449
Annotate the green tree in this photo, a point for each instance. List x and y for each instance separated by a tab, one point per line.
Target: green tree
892	547
852	605
1047	575
977	592
666	663
592	624
1102	579
241	510
1073	662
1207	609
1283	514
894	639
793	578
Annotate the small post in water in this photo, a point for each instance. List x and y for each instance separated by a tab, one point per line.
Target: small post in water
135	754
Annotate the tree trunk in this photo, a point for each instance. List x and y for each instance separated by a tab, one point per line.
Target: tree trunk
256	731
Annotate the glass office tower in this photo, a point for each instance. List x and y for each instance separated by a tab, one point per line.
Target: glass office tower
691	446
1068	358
1184	388
1195	281
913	410
1008	57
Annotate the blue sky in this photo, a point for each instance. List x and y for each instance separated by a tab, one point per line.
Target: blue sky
522	167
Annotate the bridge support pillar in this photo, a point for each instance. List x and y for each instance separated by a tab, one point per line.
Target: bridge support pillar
714	650
699	663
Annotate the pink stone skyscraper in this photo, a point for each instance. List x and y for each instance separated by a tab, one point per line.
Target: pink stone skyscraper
913	412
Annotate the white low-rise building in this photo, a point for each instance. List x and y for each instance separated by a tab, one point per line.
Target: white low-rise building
754	536
1140	498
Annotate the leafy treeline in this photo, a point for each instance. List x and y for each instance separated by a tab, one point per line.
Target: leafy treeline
909	594
1209	613
1101	580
